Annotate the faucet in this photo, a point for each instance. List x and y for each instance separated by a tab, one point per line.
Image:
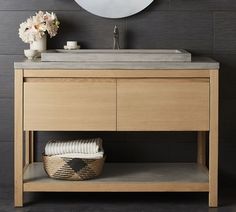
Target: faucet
116	44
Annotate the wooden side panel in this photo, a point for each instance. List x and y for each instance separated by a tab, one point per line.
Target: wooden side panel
82	105
18	139
163	104
213	139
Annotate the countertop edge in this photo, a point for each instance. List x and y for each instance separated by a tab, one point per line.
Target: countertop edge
197	63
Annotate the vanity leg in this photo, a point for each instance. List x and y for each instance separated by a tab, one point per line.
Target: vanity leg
213	140
29	147
201	148
18	139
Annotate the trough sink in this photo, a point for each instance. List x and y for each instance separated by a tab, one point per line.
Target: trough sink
121	55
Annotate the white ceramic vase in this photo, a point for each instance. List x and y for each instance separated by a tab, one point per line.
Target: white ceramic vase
39	45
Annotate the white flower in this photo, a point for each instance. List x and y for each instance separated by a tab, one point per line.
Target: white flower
25	30
52	23
34	28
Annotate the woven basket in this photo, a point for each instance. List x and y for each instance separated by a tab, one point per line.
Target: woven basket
72	168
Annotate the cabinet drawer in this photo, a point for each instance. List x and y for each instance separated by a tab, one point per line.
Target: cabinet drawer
82	104
163	104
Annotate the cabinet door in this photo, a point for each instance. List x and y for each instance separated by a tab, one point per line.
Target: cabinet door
70	104
163	104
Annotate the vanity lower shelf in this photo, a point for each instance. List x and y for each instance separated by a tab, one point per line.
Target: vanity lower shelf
125	177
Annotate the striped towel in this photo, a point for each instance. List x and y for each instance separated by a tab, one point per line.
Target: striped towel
82	146
97	155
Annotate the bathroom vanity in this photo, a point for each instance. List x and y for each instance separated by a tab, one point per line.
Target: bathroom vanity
118	96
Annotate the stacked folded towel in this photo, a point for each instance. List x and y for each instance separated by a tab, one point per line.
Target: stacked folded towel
89	148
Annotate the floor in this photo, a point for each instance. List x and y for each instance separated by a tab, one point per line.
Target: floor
117	202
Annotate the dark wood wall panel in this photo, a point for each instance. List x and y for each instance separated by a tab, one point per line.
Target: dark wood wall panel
228	122
222	5
225	32
7	74
227	77
188	30
34	5
90	31
6	171
10	42
6	114
191	5
203	5
65	5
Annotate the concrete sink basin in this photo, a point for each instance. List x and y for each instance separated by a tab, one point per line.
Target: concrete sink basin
122	55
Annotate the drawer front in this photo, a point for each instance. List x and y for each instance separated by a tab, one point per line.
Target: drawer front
163	104
77	105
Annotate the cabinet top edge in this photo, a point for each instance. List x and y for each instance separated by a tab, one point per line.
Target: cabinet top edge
196	63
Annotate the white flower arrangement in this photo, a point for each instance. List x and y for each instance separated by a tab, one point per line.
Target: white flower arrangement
35	27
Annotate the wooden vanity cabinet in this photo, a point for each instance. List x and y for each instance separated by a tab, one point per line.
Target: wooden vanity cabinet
118	100
172	104
85	104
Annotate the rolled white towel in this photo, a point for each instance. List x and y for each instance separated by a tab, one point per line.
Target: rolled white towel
83	155
88	146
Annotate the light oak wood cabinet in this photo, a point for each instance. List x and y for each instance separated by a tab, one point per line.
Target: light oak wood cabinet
85	104
118	100
163	104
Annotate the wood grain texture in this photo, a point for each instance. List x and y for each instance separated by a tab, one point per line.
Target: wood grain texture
7	74
50	73
7	120
190	5
7	172
64	5
213	139
84	105
171	29
18	136
92	32
219	5
224	32
227	88
10	41
113	73
162	104
118	103
25	5
126	177
86	31
195	46
202	5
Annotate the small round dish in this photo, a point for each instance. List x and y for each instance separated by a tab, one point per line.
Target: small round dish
30	53
71	48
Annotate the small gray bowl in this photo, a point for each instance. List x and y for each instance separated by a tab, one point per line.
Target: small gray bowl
30	53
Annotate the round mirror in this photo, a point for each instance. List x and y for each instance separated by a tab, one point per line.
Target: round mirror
114	8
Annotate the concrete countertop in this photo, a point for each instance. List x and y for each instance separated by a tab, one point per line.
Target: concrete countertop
196	63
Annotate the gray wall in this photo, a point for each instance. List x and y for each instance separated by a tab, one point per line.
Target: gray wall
204	27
